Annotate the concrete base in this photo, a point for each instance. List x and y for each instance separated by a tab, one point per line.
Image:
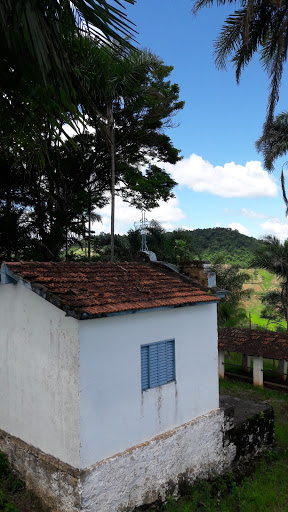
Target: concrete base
154	470
140	475
209	445
56	483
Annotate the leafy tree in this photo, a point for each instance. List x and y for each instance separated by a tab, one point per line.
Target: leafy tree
227	246
182	251
136	102
74	177
113	80
15	222
273	256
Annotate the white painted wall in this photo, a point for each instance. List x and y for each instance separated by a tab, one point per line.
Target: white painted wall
39	357
114	413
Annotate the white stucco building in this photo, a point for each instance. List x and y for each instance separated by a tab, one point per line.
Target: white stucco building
108	382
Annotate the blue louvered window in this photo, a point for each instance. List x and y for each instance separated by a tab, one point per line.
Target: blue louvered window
157	364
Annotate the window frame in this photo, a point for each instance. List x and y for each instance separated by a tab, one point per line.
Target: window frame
150	377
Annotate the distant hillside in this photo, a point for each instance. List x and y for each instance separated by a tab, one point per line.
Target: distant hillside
224	245
218	245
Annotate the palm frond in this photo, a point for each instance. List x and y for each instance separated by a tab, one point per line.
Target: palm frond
229	39
199	4
284	191
260	25
274	143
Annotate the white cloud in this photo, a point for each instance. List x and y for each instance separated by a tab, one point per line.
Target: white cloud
186	228
244	213
230	180
168	214
242	229
275	227
79	128
252	214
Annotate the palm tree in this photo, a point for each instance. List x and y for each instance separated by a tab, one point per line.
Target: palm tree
274	144
231	312
258	26
272	255
42	32
39	75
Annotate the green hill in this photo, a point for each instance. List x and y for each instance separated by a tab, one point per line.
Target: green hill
224	245
218	245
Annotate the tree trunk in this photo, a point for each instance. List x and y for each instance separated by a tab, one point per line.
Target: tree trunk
9	207
66	244
287	305
111	134
89	225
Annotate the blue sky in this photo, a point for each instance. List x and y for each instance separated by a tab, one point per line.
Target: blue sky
221	178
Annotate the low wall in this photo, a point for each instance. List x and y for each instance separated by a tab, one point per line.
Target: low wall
253	430
154	470
57	484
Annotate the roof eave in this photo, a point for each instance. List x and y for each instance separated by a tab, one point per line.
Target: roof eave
8	277
88	316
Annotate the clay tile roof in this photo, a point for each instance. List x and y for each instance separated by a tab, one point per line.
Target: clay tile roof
97	289
273	345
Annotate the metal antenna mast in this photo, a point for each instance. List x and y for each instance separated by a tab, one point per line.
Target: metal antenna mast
143	226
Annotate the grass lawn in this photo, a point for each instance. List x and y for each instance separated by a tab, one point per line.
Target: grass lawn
266	489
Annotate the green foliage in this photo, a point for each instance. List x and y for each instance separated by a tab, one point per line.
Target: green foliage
182	251
273	311
272	256
261	281
9	507
231	312
13	495
4	465
44	208
9	483
212	244
274	143
42	81
224	245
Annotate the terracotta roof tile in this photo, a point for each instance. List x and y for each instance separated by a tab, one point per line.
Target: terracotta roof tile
102	288
273	345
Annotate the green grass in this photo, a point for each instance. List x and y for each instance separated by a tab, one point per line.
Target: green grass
267	279
260	283
13	495
266	489
236	359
